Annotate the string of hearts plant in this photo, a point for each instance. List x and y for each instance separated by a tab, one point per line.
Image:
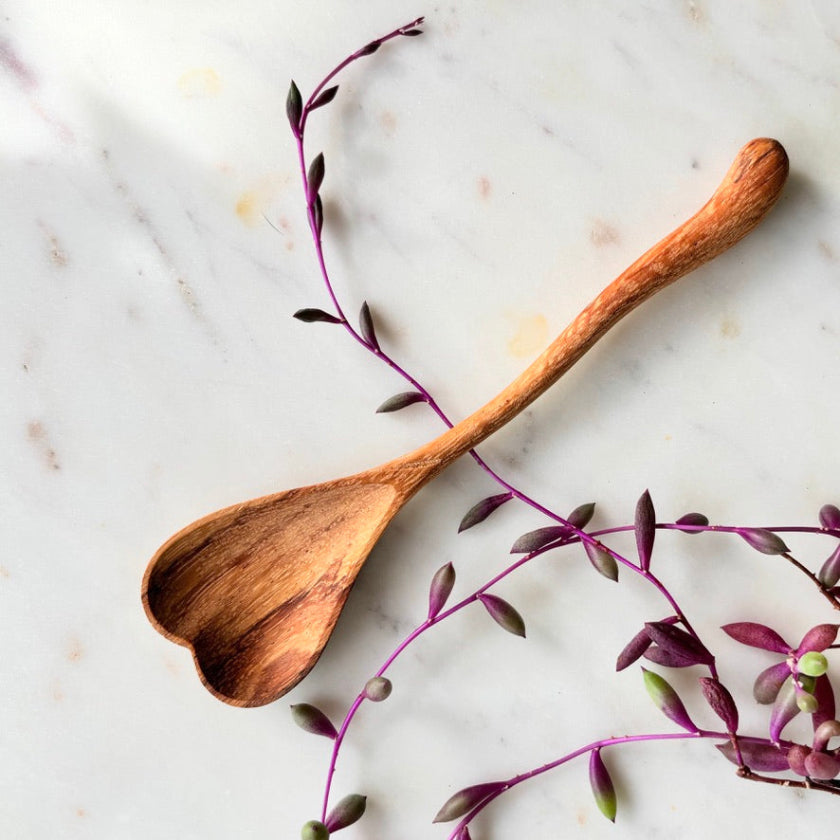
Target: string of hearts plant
798	683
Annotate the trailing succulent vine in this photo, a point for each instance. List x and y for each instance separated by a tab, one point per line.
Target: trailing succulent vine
798	683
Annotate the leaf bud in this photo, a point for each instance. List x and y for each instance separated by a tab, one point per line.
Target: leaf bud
829	573
807	703
311	315
481	510
693	521
796	758
378	689
503	614
400	401
827	730
541	537
667	700
314	830
758	755
818	638
830	516
602	786
645	526
466	799
312	719
763	540
769	681
603	562
441	588
812	664
346	812
719	698
294	108
820	765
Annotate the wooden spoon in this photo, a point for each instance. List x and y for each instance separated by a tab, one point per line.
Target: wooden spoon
256	589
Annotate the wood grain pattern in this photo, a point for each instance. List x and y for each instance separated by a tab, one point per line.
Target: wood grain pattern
255	590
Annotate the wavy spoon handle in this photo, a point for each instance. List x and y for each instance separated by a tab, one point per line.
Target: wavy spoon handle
748	191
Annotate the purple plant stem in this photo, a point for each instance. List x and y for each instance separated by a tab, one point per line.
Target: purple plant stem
743	771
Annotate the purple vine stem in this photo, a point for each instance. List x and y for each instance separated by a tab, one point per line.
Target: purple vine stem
578	535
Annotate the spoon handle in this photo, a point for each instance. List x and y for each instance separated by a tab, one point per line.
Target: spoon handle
751	187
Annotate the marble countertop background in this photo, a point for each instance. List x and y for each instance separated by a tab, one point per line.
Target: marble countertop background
483	183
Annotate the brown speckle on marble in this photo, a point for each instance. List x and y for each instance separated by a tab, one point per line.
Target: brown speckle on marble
826	250
695	11
75	651
602	234
485	188
58	256
37	435
388	122
730	328
14	64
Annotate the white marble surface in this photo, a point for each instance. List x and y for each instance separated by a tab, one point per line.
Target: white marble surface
484	182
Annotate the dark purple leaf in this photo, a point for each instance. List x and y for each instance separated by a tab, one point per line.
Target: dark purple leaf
580	516
693	520
412	32
465	800
312	315
826	710
829	574
633	650
534	540
441	588
312	719
667	658
346	812
503	614
481	510
719	698
315	177
818	638
645	525
769	681
370	49
294	108
758	755
602	786
785	709
679	642
602	560
763	540
667	700
366	324
756	635
830	517
324	98
400	401
820	765
318	214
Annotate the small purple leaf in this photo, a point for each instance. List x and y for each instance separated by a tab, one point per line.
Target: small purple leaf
758	755
633	650
411	33
602	786
400	401
785	709
679	642
818	638
315	177
829	574
294	108
602	560
324	98
692	521
645	525
796	756
830	517
580	516
503	614
366	324
370	48
465	800
667	658
769	681
441	588
667	700
481	510
826	710
346	812
719	698
312	719
311	315
763	540
534	540
756	635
